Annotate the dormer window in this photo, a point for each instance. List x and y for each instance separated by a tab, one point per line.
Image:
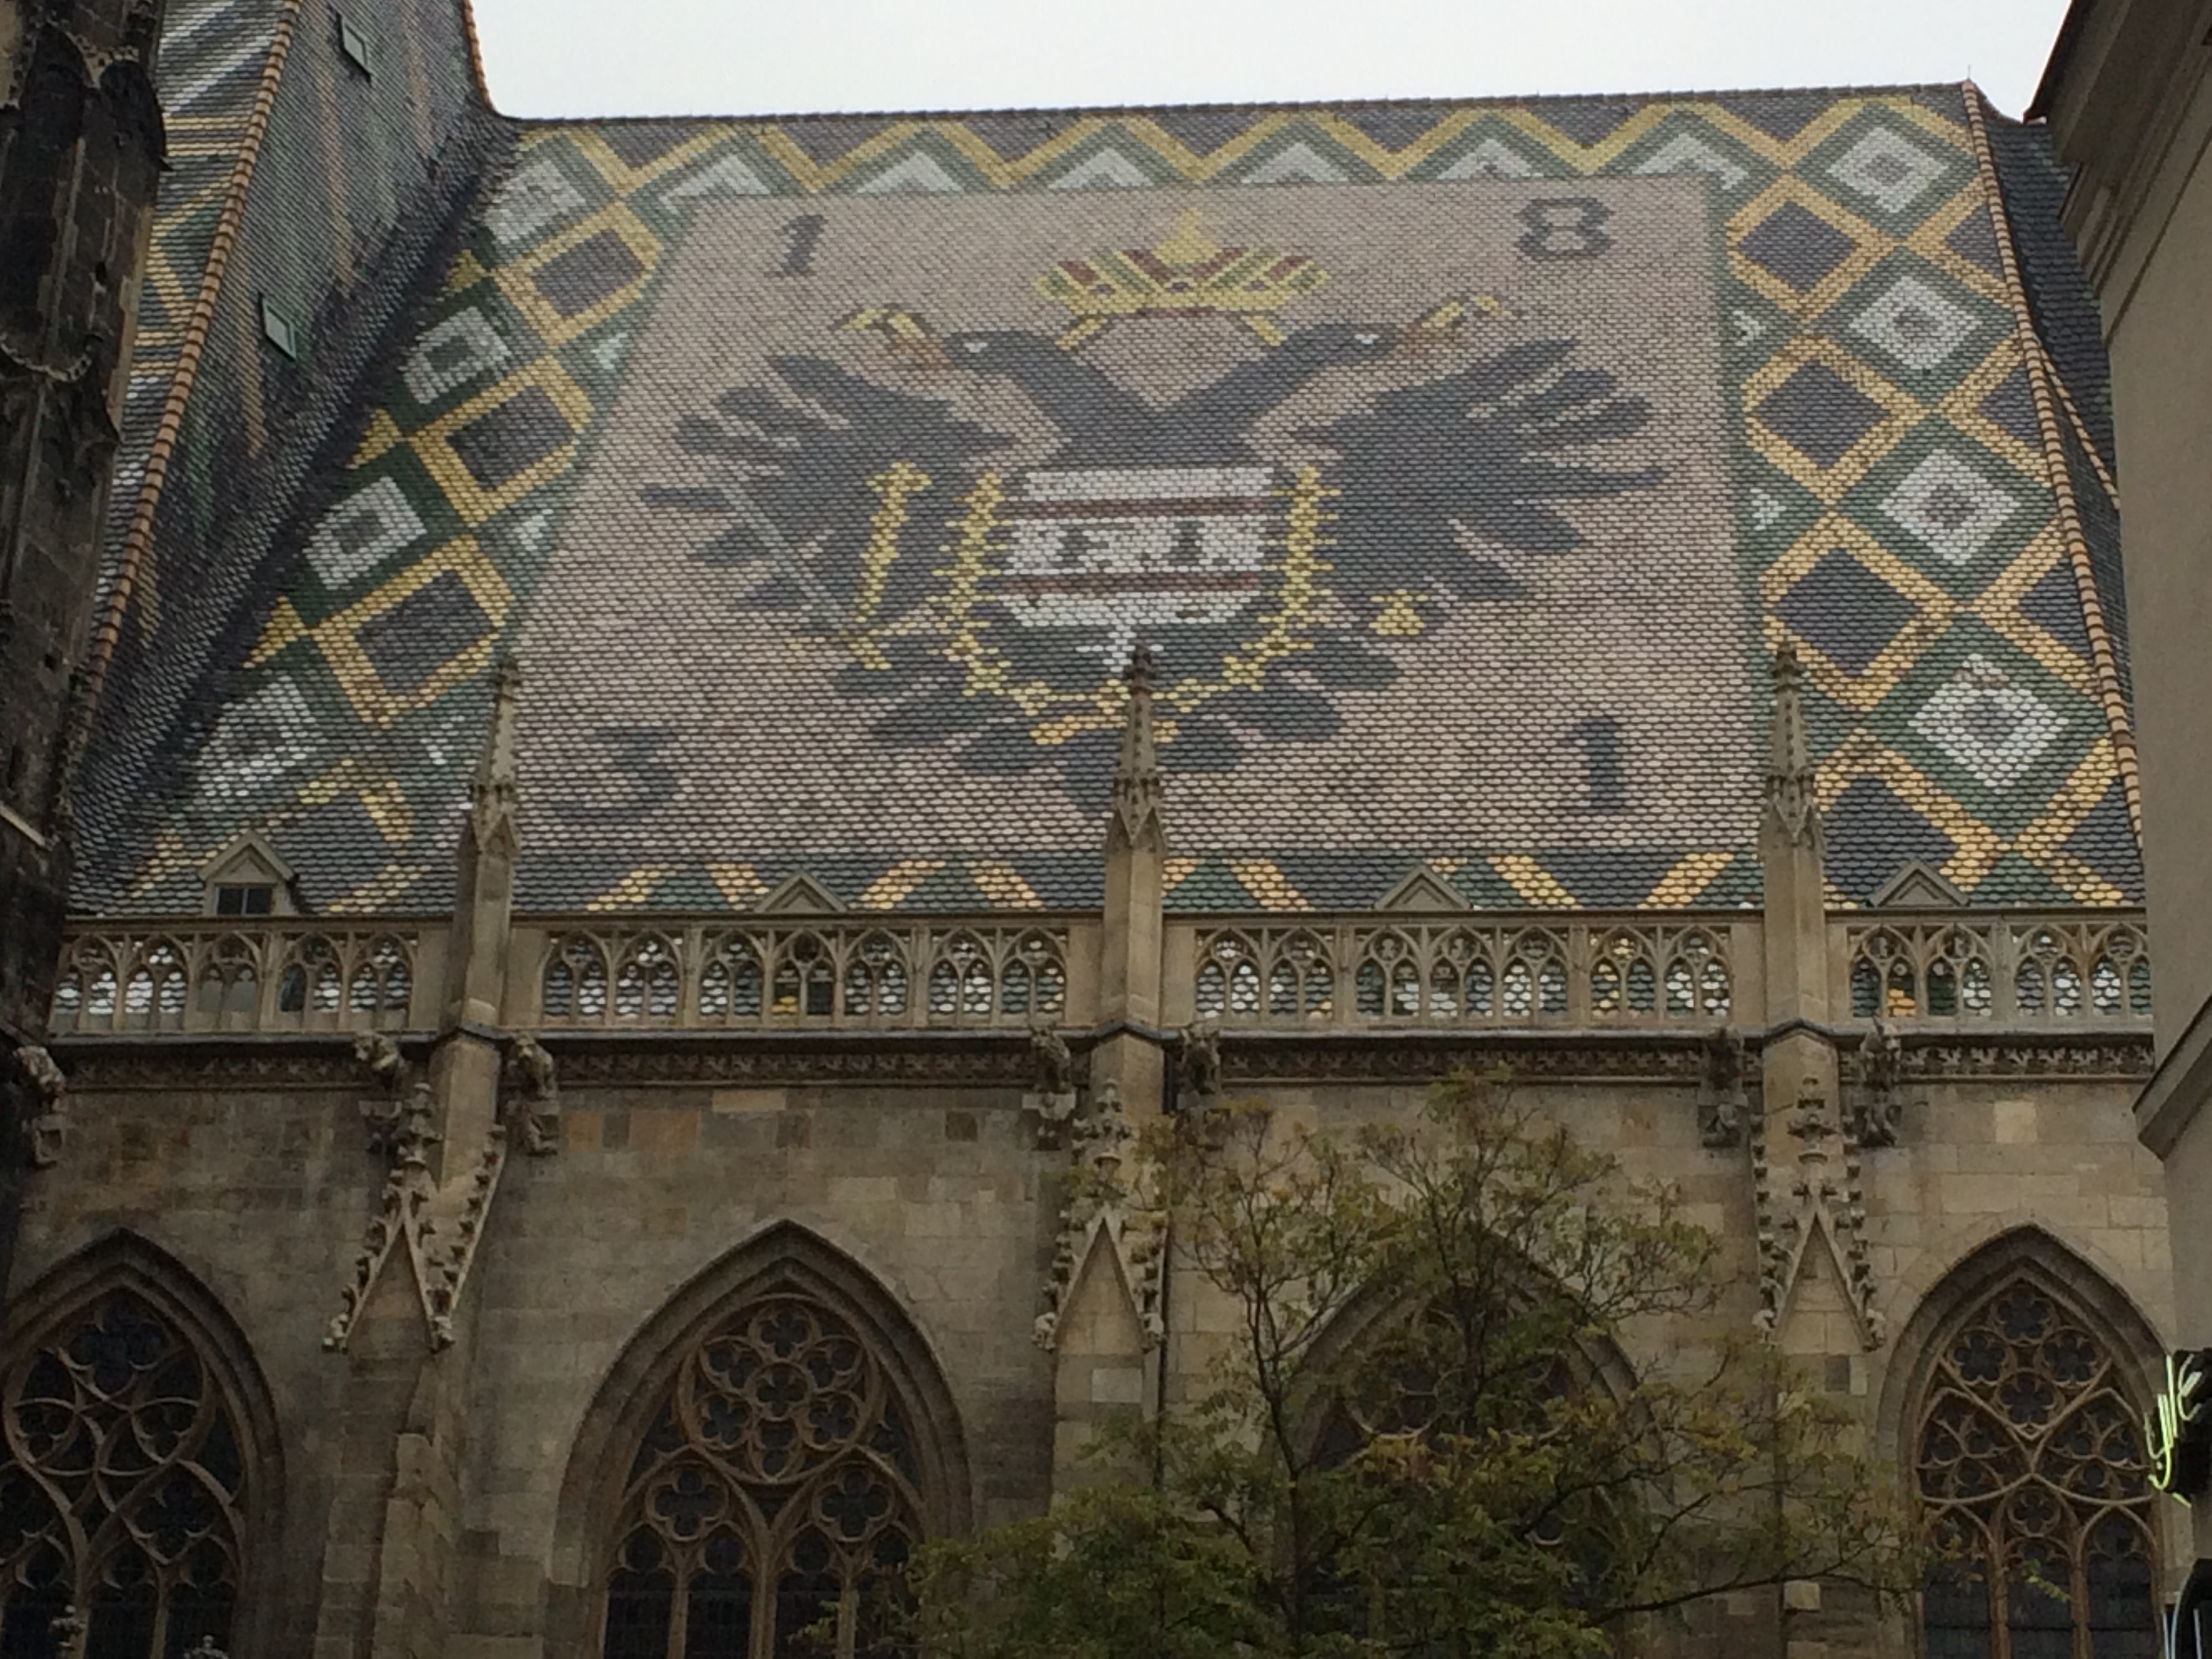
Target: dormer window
247	878
233	898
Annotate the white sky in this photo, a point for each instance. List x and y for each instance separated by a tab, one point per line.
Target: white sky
548	57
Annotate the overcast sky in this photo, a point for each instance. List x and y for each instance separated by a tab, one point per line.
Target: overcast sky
747	57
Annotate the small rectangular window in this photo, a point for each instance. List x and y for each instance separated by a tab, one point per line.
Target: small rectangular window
352	42
281	326
245	900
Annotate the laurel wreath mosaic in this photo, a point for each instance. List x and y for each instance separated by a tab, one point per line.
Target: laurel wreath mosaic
1462	464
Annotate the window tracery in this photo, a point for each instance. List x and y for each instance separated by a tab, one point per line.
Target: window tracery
1534	982
1229	980
310	981
1622	979
229	988
2048	979
730	988
1697	978
960	980
1923	973
1388	982
647	987
1033	980
382	982
806	982
576	983
776	1491
122	1489
153	995
2030	1462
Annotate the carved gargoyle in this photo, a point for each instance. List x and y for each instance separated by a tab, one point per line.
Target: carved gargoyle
532	1096
1198	1076
1881	1074
1051	1096
380	1057
50	1088
1721	1100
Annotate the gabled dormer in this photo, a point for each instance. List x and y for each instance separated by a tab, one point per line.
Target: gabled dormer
246	878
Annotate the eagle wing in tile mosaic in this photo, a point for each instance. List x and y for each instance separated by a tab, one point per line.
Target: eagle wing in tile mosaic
1460	464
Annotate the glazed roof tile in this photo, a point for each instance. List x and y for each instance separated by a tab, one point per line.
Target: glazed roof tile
1461	463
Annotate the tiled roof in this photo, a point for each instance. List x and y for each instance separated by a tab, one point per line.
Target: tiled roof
1461	463
333	192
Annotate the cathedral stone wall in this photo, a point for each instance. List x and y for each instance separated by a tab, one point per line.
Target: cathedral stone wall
940	1198
480	1173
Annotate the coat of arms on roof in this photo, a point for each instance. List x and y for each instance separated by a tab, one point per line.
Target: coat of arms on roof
989	515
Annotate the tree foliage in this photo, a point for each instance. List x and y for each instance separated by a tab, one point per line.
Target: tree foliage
1414	1434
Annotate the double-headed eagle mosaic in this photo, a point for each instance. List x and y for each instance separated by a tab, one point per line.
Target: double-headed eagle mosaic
987	589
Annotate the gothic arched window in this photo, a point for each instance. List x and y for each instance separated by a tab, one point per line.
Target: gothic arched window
776	1494
121	1491
2030	1465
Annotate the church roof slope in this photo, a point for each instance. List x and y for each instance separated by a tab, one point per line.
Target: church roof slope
1461	464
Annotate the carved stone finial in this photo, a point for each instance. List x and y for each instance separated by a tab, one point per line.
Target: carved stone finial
1809	1122
493	791
1791	779
1136	817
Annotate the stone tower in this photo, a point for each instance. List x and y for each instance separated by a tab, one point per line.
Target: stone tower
81	152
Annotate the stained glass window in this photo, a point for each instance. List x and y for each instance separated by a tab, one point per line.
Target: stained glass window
771	1502
122	1485
2031	1463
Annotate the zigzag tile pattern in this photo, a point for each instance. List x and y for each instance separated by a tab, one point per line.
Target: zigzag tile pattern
1629	392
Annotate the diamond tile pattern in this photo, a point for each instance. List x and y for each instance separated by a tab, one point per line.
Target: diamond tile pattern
1845	611
1797	245
824	472
1820	413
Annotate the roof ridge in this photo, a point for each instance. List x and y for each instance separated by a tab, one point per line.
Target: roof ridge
476	52
138	538
2039	380
1277	106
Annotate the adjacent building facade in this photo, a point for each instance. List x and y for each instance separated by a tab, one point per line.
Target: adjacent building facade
689	712
2126	98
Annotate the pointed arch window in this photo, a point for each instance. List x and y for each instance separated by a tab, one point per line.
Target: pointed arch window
2030	1464
122	1489
777	1493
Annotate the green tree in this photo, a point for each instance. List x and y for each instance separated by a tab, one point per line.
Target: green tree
1420	1438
